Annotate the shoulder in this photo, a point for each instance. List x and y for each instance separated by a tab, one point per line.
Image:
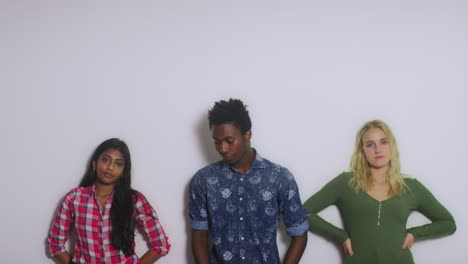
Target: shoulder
142	205
79	192
414	185
263	163
207	174
340	182
343	177
138	198
77	196
411	182
275	170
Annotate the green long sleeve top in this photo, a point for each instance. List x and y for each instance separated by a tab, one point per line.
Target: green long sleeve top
378	229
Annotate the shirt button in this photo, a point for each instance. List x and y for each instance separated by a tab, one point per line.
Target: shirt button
241	198
242	238
242	218
242	179
243	257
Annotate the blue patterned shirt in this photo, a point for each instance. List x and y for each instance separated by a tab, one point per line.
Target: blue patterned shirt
242	211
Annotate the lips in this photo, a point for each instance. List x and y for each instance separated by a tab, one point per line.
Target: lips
108	175
379	157
227	157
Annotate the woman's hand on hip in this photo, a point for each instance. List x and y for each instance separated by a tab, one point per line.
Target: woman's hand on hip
348	249
409	240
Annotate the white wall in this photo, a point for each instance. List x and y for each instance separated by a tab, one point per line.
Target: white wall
312	72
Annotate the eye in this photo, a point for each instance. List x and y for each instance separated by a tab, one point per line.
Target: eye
385	142
120	164
369	145
230	141
104	159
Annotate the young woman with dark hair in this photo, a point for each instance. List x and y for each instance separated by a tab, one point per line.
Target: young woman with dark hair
104	211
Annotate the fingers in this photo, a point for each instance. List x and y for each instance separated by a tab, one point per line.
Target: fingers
405	244
409	240
348	247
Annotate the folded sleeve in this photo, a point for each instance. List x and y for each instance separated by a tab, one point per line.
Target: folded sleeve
198	203
294	214
148	221
61	225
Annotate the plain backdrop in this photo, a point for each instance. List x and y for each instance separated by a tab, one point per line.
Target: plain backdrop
74	73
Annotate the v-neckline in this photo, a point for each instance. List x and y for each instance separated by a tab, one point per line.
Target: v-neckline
372	198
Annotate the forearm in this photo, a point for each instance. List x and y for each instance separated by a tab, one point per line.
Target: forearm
443	222
296	249
200	246
64	258
321	226
329	195
434	229
149	257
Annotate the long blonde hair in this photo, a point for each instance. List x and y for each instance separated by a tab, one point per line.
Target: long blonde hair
360	167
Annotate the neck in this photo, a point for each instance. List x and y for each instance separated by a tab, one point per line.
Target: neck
103	190
244	165
379	175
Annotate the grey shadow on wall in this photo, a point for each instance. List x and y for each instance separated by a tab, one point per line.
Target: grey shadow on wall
205	140
209	155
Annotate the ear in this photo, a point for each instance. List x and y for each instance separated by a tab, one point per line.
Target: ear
361	150
94	165
248	135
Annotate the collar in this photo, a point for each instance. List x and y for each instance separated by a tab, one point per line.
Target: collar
91	191
258	162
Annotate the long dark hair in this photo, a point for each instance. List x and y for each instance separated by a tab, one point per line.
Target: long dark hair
123	226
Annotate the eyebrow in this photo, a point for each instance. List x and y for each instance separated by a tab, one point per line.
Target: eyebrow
372	141
228	137
108	156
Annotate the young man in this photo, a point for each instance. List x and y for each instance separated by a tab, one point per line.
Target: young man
236	203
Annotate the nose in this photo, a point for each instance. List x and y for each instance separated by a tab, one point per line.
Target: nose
377	148
223	147
110	166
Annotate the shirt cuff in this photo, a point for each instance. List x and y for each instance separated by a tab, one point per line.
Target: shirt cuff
298	230
55	250
162	250
199	225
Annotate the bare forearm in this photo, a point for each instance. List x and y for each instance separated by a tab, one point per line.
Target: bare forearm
296	249
149	257
200	246
64	258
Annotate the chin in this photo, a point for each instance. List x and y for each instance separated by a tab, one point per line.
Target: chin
380	165
231	162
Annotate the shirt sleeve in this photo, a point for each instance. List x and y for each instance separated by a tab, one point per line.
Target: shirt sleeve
294	215
61	225
198	203
327	196
442	221
147	220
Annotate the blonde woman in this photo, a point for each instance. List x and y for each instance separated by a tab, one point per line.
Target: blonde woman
375	200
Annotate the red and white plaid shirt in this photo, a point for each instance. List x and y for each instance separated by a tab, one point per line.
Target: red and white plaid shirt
93	228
